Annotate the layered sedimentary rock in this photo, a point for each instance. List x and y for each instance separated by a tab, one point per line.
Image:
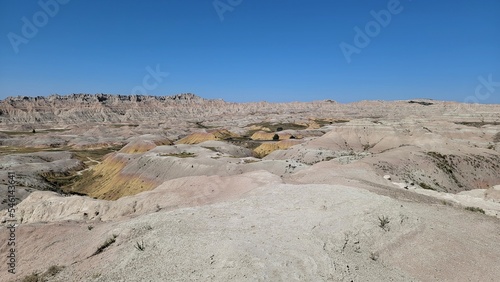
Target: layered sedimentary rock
210	190
99	108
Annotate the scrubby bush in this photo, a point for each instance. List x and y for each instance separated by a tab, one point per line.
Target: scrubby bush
475	209
384	222
106	244
140	246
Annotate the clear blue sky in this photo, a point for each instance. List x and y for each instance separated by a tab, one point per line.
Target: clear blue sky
258	50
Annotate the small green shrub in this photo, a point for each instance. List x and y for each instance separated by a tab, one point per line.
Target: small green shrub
34	277
179	155
384	222
106	244
425	186
53	270
446	203
475	209
37	277
140	246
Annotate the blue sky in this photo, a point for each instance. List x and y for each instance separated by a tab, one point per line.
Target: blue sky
253	50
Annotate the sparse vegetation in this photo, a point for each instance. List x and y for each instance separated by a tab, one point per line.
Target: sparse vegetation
95	154
274	127
32	131
22	150
367	147
118	125
14	133
105	245
477	124
199	124
447	163
53	270
90	227
324	122
210	148
42	277
34	277
140	246
446	203
425	186
61	180
56	130
64	182
475	209
384	223
421	103
82	155
179	155
374	256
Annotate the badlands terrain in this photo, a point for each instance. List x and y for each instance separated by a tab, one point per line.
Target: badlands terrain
180	188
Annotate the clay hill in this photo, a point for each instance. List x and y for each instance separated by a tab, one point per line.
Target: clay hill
176	188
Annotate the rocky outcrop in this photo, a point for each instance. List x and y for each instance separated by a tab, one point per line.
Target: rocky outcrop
77	108
29	112
199	137
268	147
